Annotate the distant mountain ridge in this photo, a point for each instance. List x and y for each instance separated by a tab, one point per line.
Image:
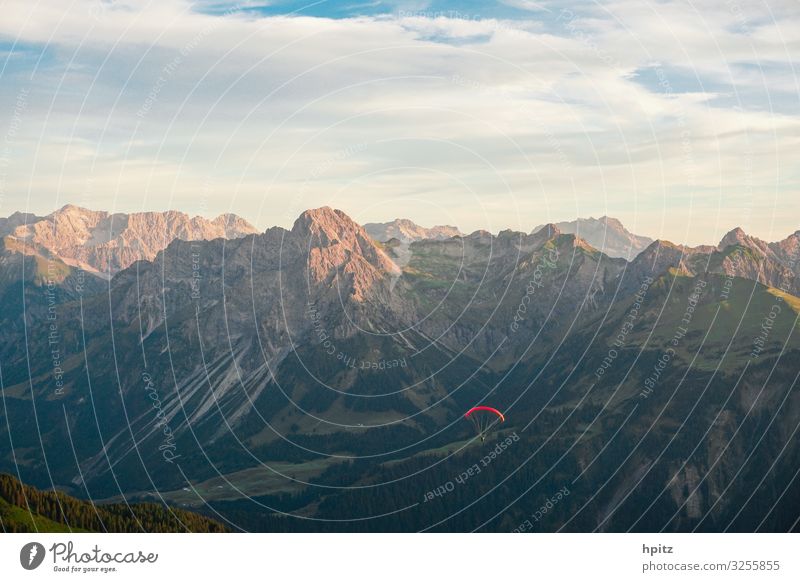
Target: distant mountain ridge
775	265
407	231
106	243
605	234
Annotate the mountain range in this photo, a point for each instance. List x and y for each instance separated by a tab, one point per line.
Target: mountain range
605	234
406	231
104	243
315	378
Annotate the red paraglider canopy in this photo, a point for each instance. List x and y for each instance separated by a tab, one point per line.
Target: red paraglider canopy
488	409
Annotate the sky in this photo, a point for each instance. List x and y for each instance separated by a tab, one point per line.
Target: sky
682	119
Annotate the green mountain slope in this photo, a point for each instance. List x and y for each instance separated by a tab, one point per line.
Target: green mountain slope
26	509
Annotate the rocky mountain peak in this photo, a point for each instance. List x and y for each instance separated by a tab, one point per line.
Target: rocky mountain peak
480	234
661	255
327	224
788	251
339	247
549	230
407	231
606	234
72	208
612	222
737	236
404	222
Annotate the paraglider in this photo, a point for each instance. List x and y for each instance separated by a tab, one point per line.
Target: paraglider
484	418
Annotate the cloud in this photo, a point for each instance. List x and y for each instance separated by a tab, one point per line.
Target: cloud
527	5
617	108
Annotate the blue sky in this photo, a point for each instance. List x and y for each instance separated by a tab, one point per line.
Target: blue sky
682	119
472	9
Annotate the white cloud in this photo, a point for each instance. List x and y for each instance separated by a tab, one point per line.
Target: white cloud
485	123
527	5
